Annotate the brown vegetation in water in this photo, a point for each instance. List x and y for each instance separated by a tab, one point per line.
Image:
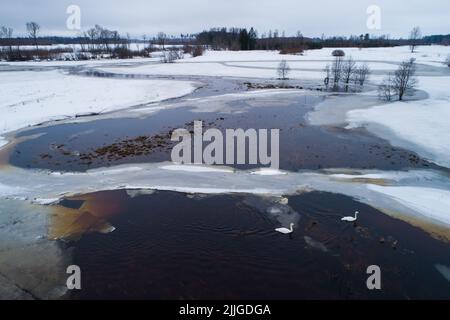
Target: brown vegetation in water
70	223
134	147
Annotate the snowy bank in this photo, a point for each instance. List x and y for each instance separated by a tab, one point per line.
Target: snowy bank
435	202
31	98
429	55
418	196
422	126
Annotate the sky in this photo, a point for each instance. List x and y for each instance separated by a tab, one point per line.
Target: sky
313	17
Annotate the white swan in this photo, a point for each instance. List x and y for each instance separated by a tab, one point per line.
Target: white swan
351	219
286	230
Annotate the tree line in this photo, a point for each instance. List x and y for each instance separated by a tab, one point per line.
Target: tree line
102	42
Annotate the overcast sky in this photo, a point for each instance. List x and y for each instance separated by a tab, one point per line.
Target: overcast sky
312	17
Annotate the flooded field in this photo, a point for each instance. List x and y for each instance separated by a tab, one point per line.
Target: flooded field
100	143
147	243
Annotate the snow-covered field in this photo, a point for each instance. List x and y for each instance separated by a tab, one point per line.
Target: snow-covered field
75	63
30	98
263	64
422	125
425	54
309	65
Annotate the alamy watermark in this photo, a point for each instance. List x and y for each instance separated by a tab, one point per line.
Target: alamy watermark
73	22
374	17
236	147
374	280
74	280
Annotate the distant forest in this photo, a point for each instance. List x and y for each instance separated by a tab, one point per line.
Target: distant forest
100	43
239	39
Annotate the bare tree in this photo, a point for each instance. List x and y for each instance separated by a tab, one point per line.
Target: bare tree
336	72
414	36
92	36
283	70
2	36
404	80
197	51
128	42
386	89
147	46
109	38
348	70
33	31
83	42
7	34
361	74
171	55
162	37
301	39
326	80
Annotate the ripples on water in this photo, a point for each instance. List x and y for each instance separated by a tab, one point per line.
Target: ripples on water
172	246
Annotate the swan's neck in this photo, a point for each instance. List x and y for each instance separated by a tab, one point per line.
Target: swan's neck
356	215
292	227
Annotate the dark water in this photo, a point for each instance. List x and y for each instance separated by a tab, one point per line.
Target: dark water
301	146
172	246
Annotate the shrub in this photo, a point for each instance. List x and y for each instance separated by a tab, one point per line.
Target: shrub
198	51
187	49
296	51
283	70
122	52
338	53
386	89
171	55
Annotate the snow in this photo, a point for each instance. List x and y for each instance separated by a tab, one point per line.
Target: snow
421	125
30	98
309	65
260	64
269	172
32	265
77	63
215	190
6	190
421	195
429	55
263	64
444	271
45	202
3	142
196	168
133	46
206	69
431	202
